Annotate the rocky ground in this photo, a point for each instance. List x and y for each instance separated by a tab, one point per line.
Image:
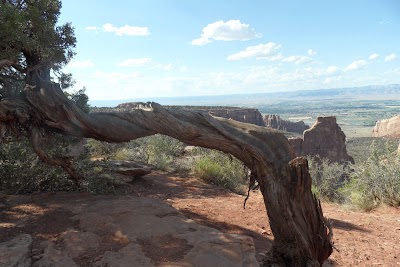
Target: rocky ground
79	229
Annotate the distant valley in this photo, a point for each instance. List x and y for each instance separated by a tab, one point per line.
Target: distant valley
357	109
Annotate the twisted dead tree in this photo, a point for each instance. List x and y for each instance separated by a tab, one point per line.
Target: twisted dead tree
32	45
302	234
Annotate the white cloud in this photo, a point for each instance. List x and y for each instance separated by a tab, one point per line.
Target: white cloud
164	67
274	77
329	80
390	57
226	31
183	68
168	67
126	30
83	64
297	59
200	41
355	65
267	51
136	74
150	64
133	62
373	56
311	52
261	74
332	69
270	51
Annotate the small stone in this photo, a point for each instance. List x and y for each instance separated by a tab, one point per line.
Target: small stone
36	257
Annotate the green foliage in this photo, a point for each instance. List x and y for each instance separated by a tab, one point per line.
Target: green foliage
32	40
359	148
80	99
327	178
158	150
375	181
217	168
167	154
104	150
22	172
99	180
30	28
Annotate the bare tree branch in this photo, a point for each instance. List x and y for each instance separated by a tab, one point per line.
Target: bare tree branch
37	145
11	63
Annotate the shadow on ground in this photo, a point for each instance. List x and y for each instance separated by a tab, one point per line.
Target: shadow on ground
343	225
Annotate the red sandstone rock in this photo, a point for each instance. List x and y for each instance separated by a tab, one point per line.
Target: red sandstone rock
326	139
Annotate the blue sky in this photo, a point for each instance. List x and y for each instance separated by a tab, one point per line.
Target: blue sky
156	48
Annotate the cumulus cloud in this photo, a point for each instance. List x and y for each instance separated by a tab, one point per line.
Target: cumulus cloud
134	62
297	59
390	57
373	56
226	31
332	69
126	30
266	51
81	64
355	65
311	52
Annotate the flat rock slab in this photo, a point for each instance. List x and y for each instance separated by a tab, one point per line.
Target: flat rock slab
128	168
15	252
138	231
135	172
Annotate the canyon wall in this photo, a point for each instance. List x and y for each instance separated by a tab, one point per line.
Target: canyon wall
276	122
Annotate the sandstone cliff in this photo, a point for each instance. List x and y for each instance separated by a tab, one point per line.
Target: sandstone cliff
276	122
387	128
248	115
325	138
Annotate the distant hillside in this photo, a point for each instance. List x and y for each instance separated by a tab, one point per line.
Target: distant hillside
366	92
373	92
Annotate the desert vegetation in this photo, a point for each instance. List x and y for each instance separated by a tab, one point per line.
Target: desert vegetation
168	154
373	180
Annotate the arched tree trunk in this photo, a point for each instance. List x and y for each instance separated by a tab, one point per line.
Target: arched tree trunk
302	235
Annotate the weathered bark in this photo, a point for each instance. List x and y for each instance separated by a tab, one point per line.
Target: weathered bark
302	236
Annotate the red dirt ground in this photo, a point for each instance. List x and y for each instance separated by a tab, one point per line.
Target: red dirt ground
361	239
